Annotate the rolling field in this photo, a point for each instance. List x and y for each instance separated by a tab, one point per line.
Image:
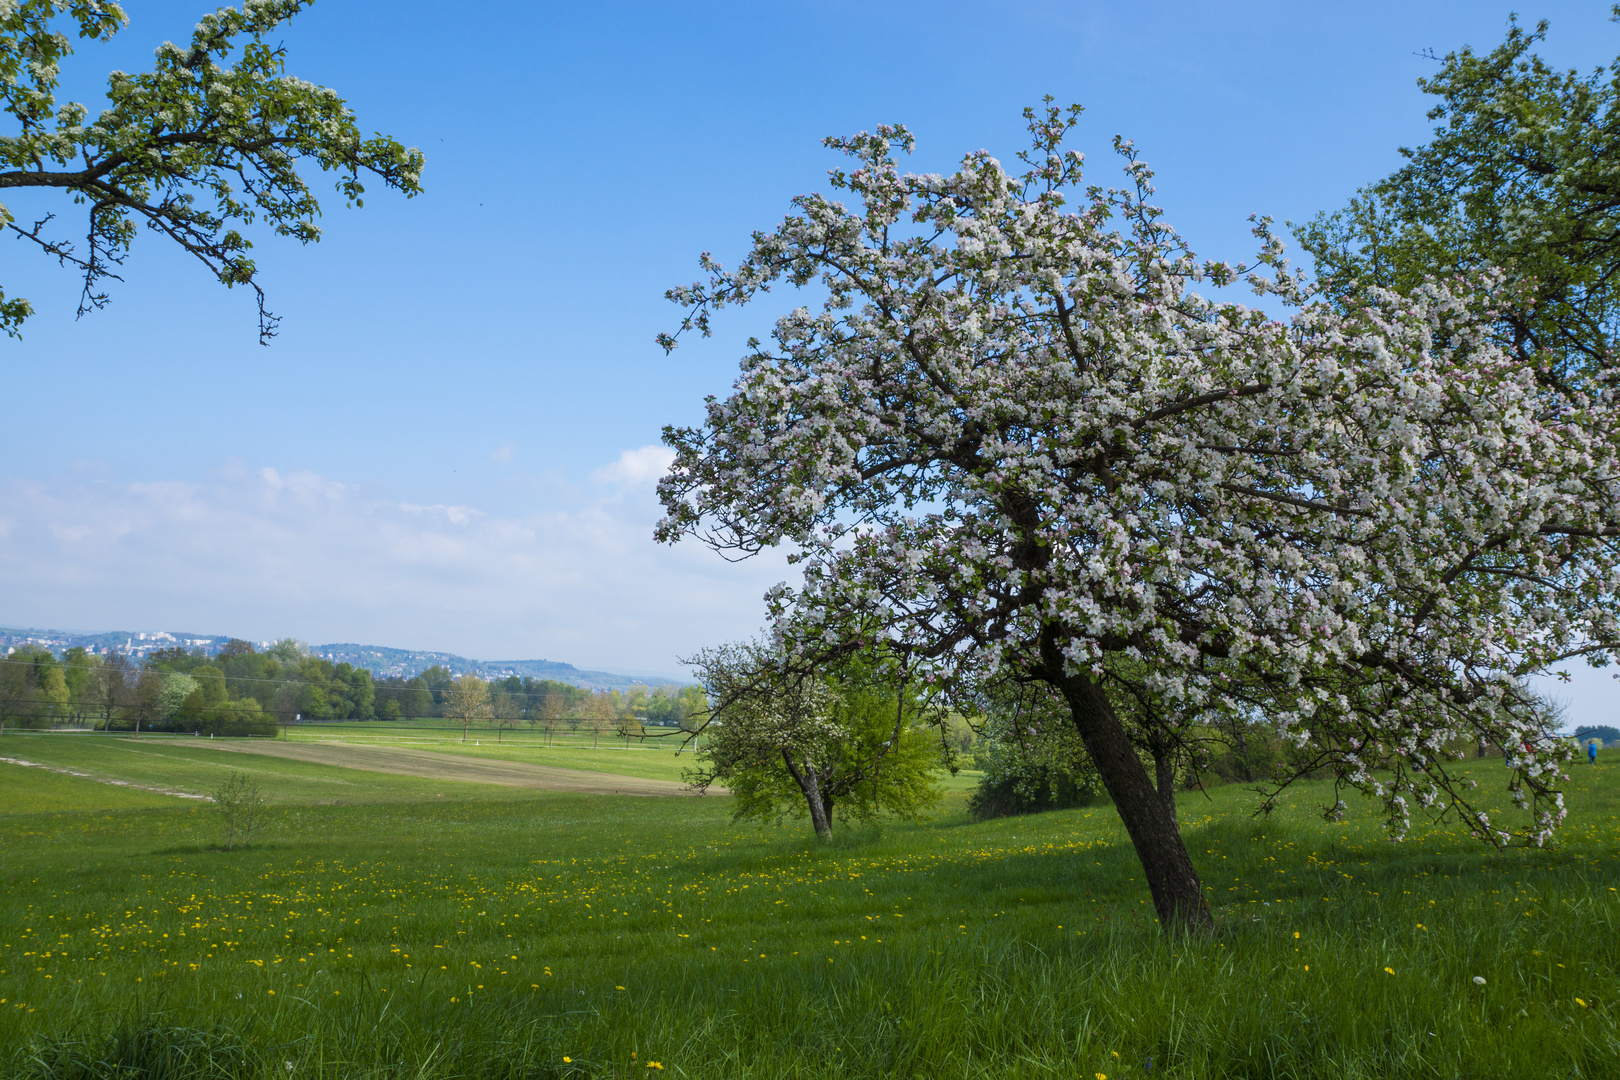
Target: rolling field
429	928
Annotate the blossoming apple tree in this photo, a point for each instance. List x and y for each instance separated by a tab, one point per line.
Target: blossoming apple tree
1014	438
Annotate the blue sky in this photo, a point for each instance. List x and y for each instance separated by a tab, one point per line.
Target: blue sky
445	448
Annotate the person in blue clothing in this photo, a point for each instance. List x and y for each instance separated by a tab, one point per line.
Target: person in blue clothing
1591	751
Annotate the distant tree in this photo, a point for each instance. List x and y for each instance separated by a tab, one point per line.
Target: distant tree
79	671
628	726
36	692
175	689
506	710
287	703
173	658
691	708
785	741
438	682
288	652
192	149
552	706
232	649
598	716
112	687
16	691
467	701
143	701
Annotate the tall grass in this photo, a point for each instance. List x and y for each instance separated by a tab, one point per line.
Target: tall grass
592	936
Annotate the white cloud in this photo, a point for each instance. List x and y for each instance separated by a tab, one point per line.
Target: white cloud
265	554
640	466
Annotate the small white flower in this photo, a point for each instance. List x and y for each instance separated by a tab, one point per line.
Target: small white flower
1479	980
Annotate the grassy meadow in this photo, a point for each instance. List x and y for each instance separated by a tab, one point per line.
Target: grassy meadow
420	928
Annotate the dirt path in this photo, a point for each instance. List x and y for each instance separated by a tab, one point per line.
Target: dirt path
406	761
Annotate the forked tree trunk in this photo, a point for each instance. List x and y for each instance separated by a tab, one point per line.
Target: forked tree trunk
1178	895
810	784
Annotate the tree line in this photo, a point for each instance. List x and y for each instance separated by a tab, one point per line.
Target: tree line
244	691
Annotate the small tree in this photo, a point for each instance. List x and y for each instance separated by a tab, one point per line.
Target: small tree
507	710
467	700
241	807
598	716
628	726
787	741
551	708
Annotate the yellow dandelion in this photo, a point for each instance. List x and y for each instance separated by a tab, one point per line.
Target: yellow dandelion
568	1061
1390	970
1296	935
1581	1003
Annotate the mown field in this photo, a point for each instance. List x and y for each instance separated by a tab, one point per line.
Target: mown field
427	929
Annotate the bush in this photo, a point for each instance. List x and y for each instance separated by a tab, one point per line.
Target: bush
242	807
1038	788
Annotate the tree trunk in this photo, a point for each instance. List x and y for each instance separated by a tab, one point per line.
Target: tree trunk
1178	895
810	784
1164	766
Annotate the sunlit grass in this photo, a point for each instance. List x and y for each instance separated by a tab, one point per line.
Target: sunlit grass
492	938
194	766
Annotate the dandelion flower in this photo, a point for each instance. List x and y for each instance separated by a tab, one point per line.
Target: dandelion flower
1390	970
1581	1003
568	1061
1296	935
1479	980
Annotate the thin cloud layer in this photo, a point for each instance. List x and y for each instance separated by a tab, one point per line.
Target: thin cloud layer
267	554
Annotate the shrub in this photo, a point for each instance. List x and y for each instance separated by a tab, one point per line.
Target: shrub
242	807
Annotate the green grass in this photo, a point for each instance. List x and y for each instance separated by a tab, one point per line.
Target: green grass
652	758
192	765
25	790
657	757
457	937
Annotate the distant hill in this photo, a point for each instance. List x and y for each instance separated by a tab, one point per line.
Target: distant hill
383	661
380	660
134	643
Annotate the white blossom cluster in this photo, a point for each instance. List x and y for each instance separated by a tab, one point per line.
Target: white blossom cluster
1014	426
